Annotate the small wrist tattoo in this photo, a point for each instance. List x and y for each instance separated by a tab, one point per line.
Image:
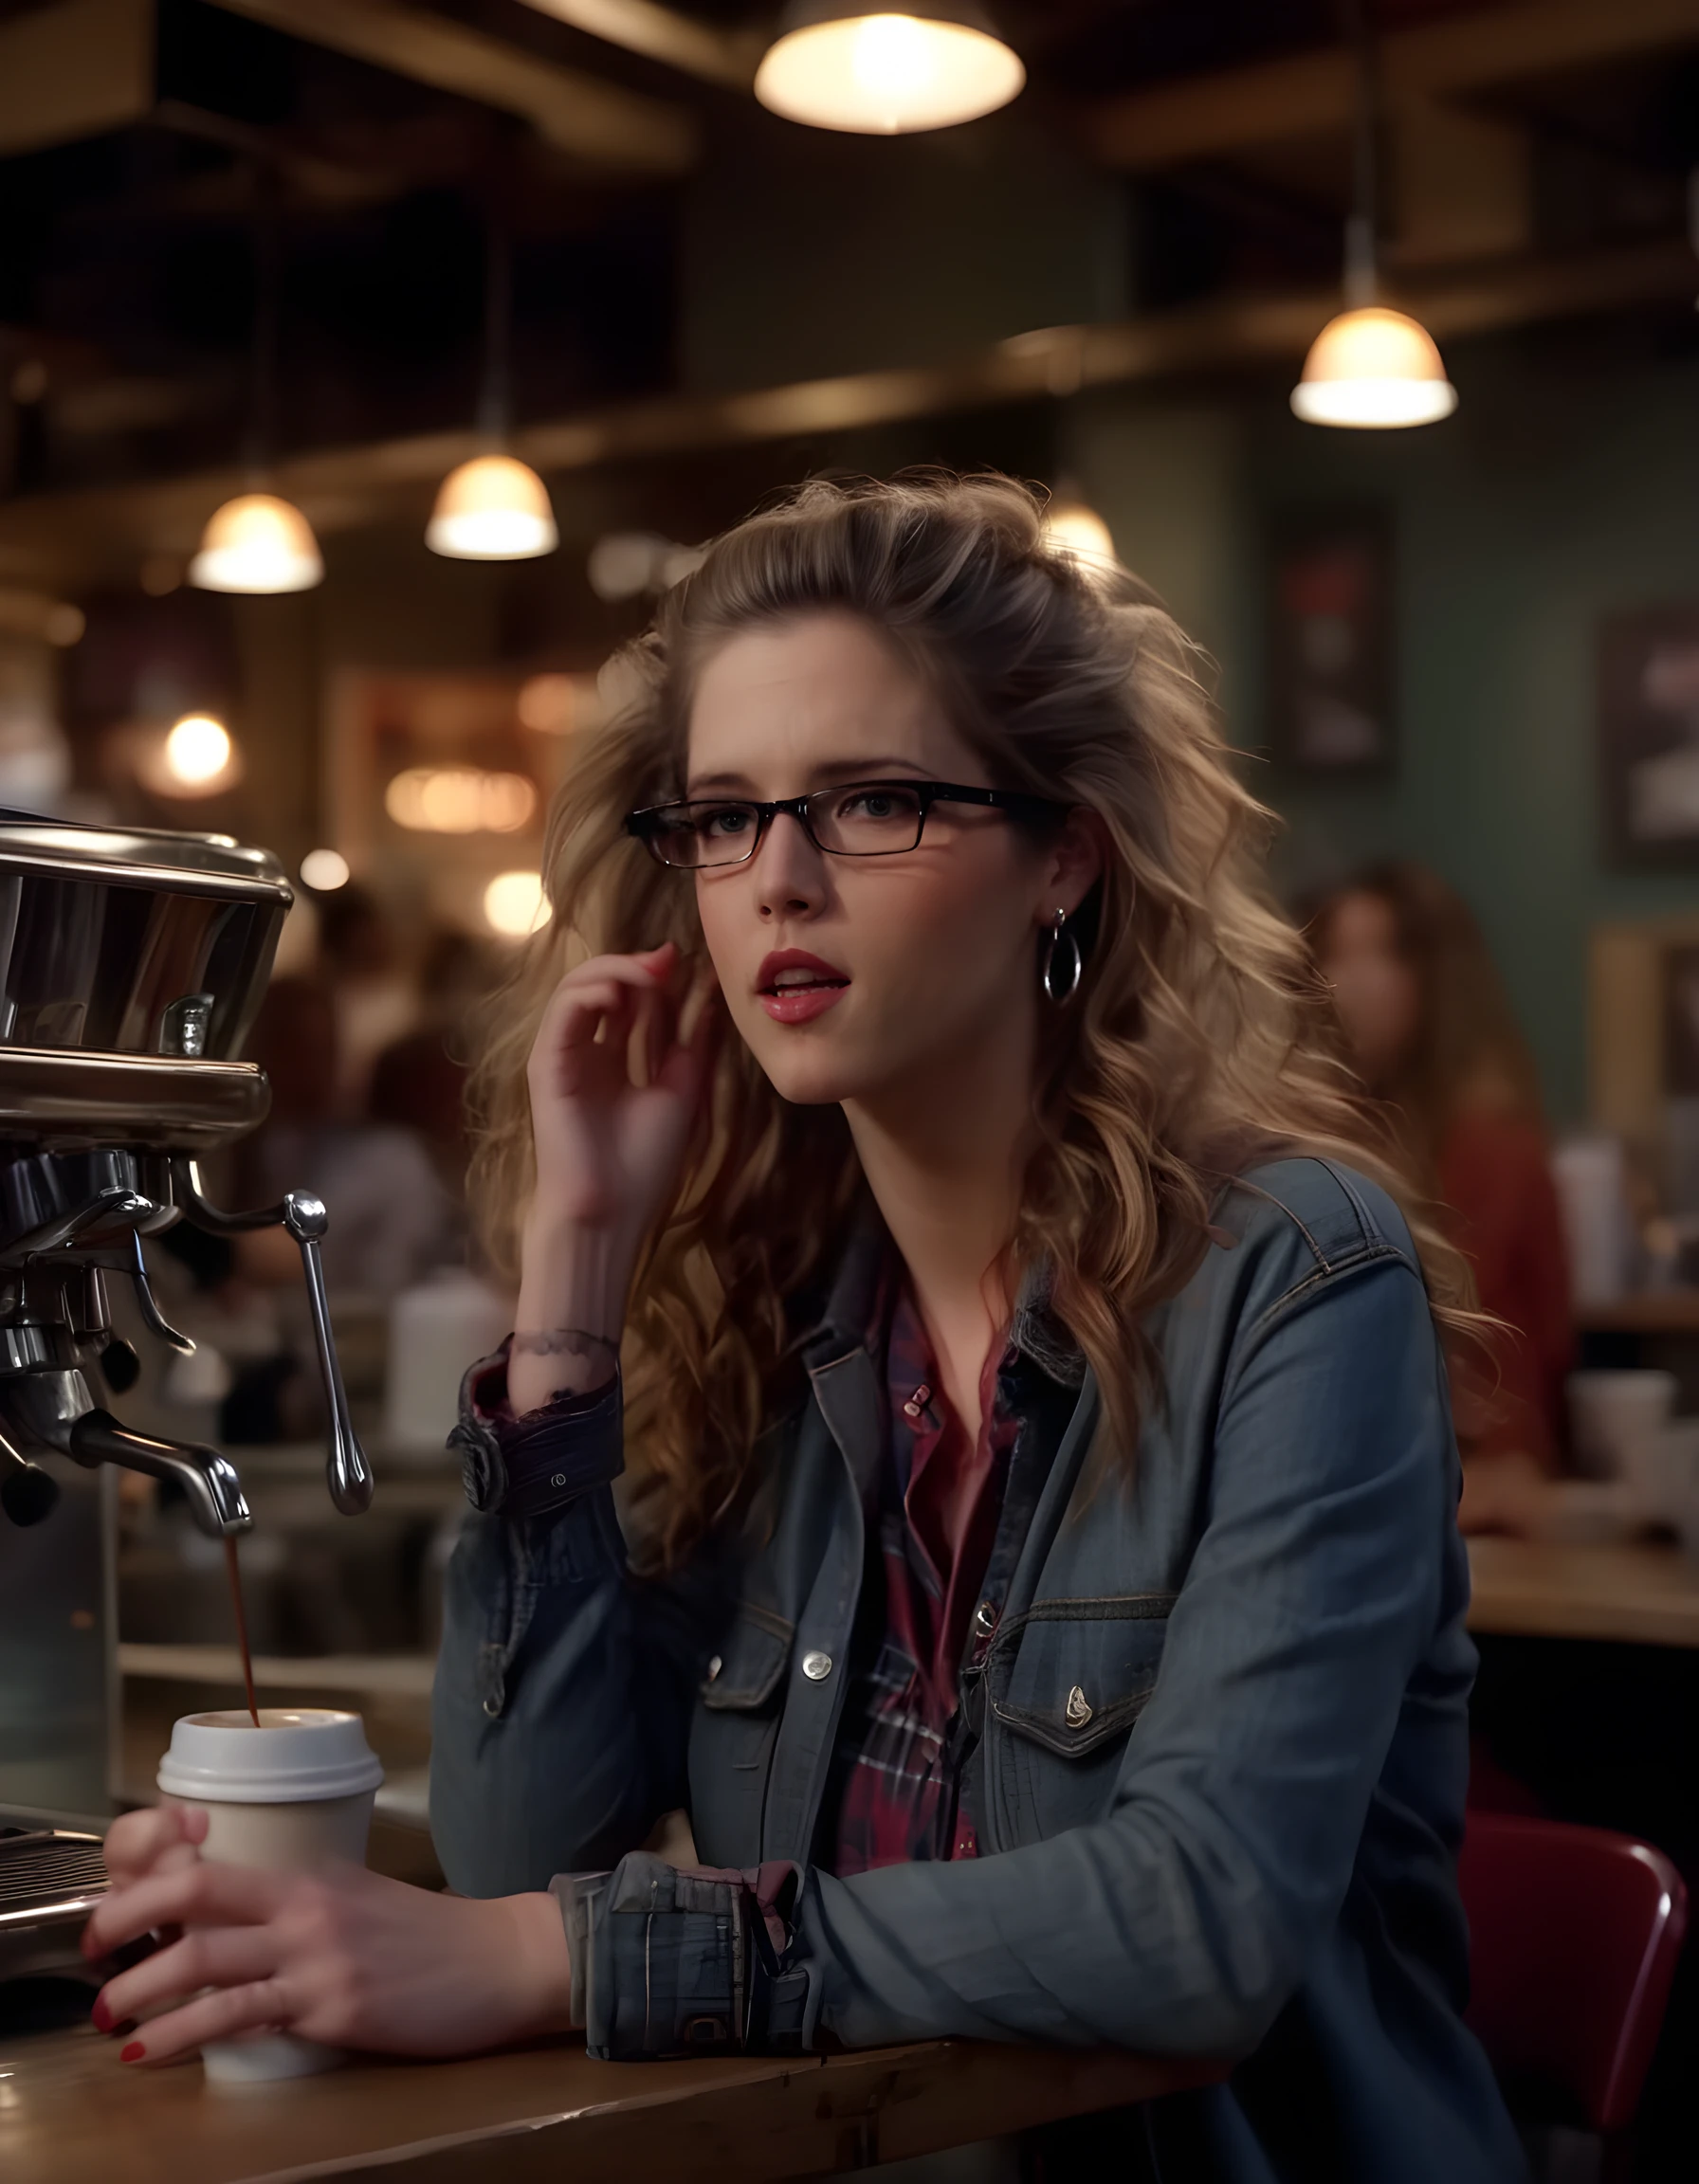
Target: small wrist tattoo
562	1341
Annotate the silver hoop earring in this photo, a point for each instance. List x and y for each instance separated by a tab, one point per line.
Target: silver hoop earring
1063	966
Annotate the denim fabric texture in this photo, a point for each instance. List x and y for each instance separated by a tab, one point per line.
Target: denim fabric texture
1216	1757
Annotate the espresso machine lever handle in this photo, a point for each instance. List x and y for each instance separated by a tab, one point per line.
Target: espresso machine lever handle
347	1472
217	1501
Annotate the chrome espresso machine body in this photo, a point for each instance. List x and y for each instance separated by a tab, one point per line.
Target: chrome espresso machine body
132	964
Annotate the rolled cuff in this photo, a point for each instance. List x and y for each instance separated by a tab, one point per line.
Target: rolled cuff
529	1465
684	1961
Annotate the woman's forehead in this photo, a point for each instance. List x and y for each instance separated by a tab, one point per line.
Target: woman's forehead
808	694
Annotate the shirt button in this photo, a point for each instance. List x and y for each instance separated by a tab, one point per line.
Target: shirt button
985	1619
816	1666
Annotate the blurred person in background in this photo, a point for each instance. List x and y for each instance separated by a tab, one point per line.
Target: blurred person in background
390	1221
369	984
418	1081
1431	1034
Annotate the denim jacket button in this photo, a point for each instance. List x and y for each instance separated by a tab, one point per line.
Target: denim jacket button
1078	1710
816	1666
985	1619
714	1667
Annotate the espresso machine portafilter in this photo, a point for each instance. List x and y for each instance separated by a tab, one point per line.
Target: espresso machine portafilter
132	964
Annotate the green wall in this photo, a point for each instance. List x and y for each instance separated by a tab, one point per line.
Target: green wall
1566	487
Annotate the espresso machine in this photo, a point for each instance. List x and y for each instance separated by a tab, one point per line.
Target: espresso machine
132	964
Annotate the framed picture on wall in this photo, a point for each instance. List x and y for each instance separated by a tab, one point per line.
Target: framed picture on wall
1330	650
1649	736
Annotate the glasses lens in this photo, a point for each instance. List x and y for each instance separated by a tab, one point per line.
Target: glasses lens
692	835
867	819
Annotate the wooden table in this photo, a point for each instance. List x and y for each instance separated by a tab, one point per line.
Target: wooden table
1638	1594
71	2112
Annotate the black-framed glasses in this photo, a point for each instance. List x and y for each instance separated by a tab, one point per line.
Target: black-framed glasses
858	819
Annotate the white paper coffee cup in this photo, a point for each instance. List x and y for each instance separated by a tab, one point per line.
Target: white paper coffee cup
292	1796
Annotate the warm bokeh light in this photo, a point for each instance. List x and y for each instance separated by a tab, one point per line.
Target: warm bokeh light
459	800
257	543
197	751
514	905
882	75
548	704
324	870
1374	368
65	624
1079	531
492	509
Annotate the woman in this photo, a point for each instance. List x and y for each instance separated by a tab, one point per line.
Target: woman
1052	1617
1431	1034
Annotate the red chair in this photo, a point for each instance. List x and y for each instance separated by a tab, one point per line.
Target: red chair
1574	1934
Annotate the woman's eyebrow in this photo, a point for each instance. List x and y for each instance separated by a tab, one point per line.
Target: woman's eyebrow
833	769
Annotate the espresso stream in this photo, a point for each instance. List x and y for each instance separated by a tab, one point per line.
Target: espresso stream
234	1567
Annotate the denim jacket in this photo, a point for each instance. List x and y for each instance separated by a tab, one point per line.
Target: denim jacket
1217	1752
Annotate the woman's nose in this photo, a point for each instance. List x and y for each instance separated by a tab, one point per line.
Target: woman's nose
789	876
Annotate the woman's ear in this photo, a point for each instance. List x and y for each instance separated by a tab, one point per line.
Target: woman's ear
1077	857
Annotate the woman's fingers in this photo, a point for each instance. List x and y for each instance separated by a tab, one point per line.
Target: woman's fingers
158	1836
211	1956
197	1895
224	2014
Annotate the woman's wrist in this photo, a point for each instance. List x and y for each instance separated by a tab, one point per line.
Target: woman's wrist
542	1963
573	1285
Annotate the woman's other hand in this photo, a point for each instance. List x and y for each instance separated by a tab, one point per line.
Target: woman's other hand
617	1076
345	1956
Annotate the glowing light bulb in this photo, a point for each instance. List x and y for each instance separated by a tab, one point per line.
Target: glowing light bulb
882	75
515	905
324	870
257	543
492	509
197	750
1373	369
1078	532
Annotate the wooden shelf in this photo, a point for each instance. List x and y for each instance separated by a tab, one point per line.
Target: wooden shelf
1650	1312
381	1675
1636	1594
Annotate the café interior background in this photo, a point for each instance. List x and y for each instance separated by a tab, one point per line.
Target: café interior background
254	244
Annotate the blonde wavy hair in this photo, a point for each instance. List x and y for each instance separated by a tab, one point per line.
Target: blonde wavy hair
1201	1038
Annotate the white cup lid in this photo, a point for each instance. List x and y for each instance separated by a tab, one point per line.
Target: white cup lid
296	1755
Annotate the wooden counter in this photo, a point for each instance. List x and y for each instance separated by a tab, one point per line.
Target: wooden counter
1639	1593
71	2112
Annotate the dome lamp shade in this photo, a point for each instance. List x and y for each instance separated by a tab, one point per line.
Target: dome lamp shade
1373	369
257	543
493	508
879	73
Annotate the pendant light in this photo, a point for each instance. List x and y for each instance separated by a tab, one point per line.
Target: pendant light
494	507
259	542
1370	368
877	73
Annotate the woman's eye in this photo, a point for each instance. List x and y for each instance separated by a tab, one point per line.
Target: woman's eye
875	803
718	824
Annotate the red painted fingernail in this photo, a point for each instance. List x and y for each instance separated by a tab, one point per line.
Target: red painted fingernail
102	2016
133	2053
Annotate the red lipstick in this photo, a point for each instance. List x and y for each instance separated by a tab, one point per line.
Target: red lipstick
796	987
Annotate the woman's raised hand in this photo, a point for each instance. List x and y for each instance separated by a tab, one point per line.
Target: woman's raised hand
345	1956
617	1075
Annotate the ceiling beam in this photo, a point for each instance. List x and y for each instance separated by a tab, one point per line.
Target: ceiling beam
597	121
72	70
100	534
728	57
1311	94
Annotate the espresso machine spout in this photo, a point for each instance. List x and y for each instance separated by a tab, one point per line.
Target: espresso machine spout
208	1480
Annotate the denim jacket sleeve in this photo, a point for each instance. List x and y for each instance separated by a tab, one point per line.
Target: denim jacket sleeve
1183	1921
561	1703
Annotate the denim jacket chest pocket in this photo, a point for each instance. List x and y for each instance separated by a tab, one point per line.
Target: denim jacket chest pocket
732	1737
1066	1683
